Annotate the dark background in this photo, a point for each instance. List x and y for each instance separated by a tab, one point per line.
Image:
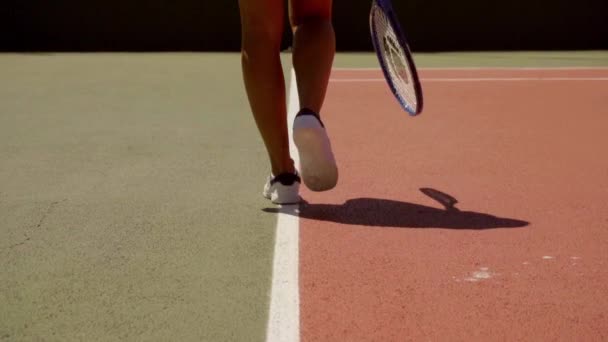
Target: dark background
205	25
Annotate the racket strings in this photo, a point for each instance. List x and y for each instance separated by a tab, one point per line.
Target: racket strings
394	58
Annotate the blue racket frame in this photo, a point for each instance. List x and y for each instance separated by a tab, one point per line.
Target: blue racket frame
387	8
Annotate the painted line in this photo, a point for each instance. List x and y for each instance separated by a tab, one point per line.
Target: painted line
480	79
284	313
484	68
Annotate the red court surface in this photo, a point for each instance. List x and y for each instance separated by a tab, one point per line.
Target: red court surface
386	256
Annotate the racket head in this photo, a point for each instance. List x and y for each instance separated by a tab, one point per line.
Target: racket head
395	57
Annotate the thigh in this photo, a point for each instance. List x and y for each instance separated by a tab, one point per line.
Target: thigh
262	19
303	10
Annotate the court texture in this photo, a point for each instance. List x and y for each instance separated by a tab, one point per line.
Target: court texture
131	205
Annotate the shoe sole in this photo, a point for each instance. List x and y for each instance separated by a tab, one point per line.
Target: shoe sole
318	165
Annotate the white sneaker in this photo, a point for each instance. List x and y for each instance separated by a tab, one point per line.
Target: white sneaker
283	189
317	162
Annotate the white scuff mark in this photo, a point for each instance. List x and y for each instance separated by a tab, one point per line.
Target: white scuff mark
482	274
575	258
548	257
526	263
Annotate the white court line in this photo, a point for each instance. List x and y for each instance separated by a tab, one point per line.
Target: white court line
484	68
284	313
480	79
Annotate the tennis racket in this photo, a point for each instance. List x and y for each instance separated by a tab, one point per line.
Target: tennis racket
395	56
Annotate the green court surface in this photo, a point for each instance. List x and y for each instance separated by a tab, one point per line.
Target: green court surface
130	194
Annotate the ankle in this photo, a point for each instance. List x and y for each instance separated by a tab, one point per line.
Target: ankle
283	168
308	111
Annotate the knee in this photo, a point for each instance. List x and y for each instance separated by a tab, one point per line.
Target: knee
261	34
314	23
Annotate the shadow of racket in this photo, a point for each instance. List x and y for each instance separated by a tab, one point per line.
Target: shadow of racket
444	199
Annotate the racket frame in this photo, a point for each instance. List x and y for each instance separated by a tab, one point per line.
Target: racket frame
386	7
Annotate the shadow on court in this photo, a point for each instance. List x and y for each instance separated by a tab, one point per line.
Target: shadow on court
390	213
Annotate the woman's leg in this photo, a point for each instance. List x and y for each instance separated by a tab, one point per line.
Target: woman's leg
262	30
314	46
313	54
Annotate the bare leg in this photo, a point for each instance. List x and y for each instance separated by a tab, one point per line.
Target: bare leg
262	30
313	50
313	54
